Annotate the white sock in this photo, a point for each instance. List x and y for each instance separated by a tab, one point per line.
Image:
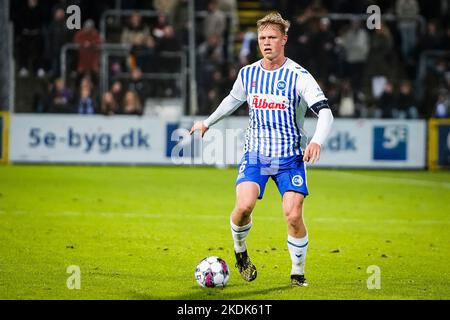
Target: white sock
239	234
297	249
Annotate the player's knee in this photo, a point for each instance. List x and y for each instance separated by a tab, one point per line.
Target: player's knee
294	219
293	213
244	209
293	208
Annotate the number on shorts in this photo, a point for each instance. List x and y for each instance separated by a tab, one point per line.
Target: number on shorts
242	167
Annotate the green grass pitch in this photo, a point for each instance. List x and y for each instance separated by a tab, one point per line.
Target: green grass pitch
138	233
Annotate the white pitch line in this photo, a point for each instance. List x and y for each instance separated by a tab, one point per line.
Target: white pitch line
279	217
225	217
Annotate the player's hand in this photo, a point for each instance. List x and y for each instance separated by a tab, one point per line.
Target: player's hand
312	153
199	125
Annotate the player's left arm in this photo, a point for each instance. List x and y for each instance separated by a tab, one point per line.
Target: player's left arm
317	102
323	127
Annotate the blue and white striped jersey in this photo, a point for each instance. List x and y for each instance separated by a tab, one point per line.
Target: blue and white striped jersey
277	101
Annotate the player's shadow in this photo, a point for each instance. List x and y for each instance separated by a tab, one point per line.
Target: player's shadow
213	294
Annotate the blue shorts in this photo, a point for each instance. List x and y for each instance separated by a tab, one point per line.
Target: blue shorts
289	173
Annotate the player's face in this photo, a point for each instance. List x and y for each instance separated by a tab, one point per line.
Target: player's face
271	42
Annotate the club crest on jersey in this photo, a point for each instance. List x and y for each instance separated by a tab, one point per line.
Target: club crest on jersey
258	103
297	180
281	85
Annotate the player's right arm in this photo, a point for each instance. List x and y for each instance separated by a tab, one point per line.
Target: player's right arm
228	105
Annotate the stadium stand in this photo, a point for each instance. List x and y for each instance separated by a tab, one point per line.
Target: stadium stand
401	70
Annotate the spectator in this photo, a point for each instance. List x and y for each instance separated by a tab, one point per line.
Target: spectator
168	42
109	105
143	54
210	51
406	103
134	29
355	42
442	108
322	44
432	39
88	39
180	21
158	28
136	84
381	50
215	22
406	11
118	93
349	103
217	91
387	102
332	91
165	44
61	98
57	35
29	25
210	59
86	82
86	103
301	35
116	66
229	7
132	104
164	6
249	48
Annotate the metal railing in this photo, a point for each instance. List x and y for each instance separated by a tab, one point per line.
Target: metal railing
179	76
192	46
102	47
108	49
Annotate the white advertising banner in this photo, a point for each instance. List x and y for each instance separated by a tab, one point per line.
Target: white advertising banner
374	143
87	139
356	143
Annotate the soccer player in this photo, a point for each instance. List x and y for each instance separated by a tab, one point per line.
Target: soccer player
278	92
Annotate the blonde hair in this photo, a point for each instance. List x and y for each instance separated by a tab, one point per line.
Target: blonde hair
131	103
274	18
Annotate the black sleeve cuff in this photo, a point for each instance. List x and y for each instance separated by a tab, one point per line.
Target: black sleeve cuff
316	107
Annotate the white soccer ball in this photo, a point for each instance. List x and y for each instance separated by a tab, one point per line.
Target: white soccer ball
212	272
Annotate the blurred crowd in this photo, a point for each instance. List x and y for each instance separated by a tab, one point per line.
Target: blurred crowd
400	70
381	73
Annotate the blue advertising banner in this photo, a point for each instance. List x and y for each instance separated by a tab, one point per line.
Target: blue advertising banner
390	142
444	145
